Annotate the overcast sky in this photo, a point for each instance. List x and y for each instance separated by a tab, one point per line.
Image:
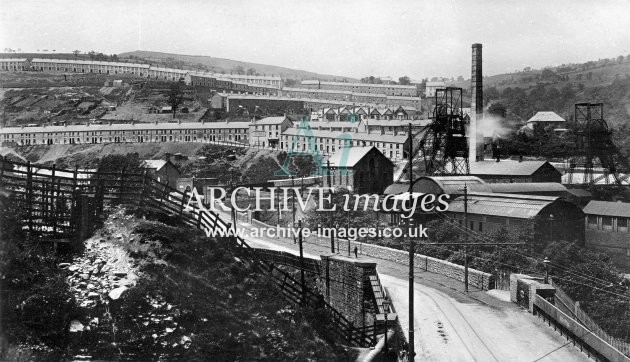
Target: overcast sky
353	38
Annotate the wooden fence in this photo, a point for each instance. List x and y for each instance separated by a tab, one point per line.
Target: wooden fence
569	306
50	197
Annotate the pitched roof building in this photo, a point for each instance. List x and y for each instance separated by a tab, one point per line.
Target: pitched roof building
515	171
545	119
608	230
363	170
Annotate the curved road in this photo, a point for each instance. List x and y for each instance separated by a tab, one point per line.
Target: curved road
453	327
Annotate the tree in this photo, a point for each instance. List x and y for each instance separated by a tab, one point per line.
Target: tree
129	162
114	57
76	53
175	96
92	54
251	71
404	80
239	70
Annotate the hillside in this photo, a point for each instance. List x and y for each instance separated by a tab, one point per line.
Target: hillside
145	290
222	65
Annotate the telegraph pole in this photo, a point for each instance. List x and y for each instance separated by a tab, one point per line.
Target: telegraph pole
466	238
412	353
330	220
293	204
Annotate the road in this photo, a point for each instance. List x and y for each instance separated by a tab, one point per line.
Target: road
453	326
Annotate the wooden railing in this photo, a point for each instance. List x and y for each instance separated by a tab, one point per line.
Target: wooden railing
50	196
566	304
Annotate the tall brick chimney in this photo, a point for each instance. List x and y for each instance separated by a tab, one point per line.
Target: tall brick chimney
475	134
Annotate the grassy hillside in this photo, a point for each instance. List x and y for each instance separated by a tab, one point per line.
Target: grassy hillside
222	65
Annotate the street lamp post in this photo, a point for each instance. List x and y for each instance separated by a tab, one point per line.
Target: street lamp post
546	263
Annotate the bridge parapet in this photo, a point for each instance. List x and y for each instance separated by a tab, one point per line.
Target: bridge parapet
347	286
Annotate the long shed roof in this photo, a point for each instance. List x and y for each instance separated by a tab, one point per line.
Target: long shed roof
505	205
607	208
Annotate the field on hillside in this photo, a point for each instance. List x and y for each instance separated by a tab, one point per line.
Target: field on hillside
222	65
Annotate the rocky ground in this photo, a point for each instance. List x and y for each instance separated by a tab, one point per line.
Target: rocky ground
145	290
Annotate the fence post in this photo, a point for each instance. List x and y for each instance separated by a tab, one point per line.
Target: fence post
122	184
143	191
53	202
1	169
29	195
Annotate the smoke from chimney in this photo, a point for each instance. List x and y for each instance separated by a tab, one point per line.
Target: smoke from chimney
475	134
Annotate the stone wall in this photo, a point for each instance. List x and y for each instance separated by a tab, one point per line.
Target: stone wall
476	278
342	282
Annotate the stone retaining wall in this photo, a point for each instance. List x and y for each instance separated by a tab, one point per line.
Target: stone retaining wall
476	278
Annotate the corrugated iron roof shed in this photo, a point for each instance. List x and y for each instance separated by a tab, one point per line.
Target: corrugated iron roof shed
579	192
396	188
608	208
505	205
505	167
453	185
524	187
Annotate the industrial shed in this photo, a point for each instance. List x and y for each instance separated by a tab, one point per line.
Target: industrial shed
364	170
515	171
530	188
551	218
451	185
608	230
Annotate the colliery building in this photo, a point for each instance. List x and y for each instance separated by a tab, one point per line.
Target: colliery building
545	218
608	230
363	170
515	171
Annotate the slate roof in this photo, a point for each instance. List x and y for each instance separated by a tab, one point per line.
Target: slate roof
608	208
505	167
155	164
124	127
271	120
353	154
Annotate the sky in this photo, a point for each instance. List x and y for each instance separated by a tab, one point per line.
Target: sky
353	38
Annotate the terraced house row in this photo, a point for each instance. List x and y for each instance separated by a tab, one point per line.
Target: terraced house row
381	95
140	70
325	137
